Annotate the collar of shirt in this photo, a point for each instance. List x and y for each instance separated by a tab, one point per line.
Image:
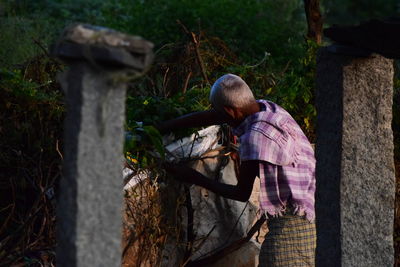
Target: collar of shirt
267	113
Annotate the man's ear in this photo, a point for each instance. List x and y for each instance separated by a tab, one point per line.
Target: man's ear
231	111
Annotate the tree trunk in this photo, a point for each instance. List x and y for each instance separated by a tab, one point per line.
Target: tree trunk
314	20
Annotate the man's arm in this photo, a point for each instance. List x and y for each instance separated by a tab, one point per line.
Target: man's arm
192	120
241	191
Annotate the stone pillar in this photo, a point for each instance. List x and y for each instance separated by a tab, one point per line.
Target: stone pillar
355	166
100	62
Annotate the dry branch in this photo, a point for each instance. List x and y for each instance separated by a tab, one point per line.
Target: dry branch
196	42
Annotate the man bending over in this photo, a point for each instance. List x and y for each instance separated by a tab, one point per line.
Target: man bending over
274	148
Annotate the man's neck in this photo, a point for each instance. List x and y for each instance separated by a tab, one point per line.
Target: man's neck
253	109
250	110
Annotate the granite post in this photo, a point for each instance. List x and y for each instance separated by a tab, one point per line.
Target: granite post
355	165
100	62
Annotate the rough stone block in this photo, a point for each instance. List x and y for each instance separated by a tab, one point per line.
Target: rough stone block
355	166
90	199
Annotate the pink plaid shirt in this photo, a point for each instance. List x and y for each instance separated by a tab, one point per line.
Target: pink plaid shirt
286	160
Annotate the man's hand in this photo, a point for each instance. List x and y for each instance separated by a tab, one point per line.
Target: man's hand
181	172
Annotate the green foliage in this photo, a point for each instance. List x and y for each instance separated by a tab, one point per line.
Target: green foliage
294	91
31	115
142	141
249	27
17	40
26	91
26	100
258	28
151	110
24	34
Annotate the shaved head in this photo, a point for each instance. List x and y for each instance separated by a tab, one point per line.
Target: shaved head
230	90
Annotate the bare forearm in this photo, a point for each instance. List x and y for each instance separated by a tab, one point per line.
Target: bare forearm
242	191
224	190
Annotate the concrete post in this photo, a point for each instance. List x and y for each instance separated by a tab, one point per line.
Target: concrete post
100	62
355	166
